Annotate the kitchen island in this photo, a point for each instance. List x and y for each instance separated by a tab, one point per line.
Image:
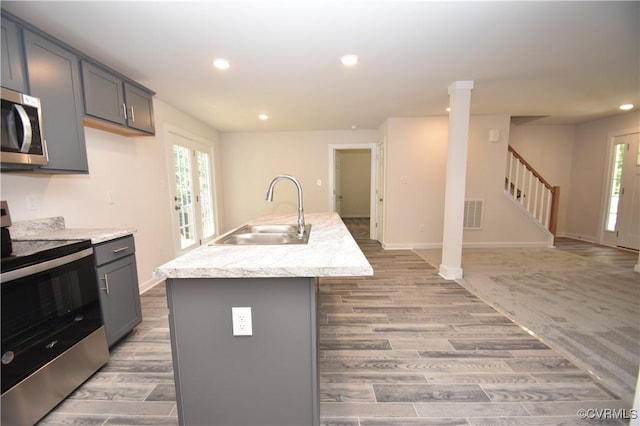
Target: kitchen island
271	376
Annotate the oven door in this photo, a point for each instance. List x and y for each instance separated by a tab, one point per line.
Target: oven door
46	309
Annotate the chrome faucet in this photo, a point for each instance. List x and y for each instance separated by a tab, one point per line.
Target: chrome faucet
301	225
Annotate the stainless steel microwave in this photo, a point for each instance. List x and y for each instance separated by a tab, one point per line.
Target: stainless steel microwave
23	141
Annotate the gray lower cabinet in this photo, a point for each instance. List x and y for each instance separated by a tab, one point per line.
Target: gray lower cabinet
113	104
53	75
12	61
268	378
119	292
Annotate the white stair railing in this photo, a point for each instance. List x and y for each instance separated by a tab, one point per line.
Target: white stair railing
532	191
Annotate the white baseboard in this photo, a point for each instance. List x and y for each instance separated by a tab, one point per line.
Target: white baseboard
580	237
149	284
411	246
524	244
432	246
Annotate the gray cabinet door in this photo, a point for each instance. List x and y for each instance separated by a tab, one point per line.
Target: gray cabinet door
103	94
12	60
140	105
53	75
119	297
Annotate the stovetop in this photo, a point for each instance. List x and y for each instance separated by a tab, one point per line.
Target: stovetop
30	252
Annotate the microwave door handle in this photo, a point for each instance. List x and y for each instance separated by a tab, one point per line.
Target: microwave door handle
26	128
11	128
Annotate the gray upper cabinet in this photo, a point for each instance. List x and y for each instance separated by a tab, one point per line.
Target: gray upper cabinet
12	59
115	105
53	75
103	94
140	104
74	90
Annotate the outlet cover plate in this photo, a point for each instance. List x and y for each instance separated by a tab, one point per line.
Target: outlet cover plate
241	321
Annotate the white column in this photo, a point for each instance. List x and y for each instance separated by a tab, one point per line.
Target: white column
459	104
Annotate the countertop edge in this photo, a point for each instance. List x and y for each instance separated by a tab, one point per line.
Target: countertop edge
96	236
273	272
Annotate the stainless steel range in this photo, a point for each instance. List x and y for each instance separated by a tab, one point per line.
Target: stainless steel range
53	337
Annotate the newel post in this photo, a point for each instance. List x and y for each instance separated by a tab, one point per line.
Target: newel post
555	204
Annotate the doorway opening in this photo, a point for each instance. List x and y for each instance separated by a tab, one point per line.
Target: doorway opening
353	183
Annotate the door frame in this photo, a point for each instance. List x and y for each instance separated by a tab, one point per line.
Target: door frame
199	143
604	235
372	148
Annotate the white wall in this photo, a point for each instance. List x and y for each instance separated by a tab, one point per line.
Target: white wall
251	160
585	215
133	170
415	182
549	149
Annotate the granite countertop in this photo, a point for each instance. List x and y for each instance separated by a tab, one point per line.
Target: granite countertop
54	229
331	252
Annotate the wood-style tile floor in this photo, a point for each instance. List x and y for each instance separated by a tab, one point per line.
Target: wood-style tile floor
403	347
614	256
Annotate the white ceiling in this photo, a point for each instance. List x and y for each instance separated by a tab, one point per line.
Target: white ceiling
570	61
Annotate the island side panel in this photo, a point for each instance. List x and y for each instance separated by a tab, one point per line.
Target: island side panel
269	378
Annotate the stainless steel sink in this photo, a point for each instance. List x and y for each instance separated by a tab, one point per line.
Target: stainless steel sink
287	229
264	235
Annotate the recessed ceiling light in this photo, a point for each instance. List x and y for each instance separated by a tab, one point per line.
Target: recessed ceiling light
626	107
349	60
448	109
263	117
221	63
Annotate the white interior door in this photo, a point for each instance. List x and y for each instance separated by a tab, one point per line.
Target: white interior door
379	192
628	226
338	182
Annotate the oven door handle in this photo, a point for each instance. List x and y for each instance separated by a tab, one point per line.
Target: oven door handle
44	266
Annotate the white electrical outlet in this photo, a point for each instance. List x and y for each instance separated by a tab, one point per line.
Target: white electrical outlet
241	320
32	202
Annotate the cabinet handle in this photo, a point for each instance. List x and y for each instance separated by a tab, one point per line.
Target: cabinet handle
120	249
133	116
124	110
106	284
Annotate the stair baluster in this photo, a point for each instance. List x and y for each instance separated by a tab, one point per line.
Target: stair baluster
532	191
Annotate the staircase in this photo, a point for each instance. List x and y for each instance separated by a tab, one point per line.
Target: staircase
529	189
